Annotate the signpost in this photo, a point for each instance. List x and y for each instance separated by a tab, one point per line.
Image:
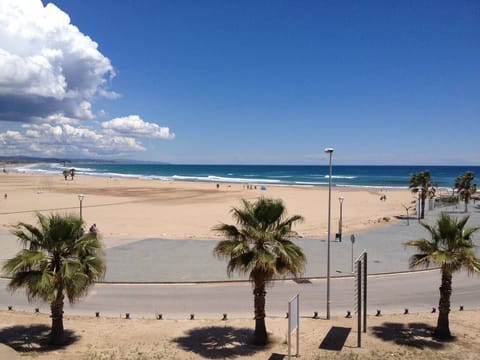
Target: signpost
293	323
361	295
352	239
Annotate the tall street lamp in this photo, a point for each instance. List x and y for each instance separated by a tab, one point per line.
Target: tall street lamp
80	197
340	222
330	152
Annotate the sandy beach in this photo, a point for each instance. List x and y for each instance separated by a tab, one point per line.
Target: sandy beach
132	209
391	336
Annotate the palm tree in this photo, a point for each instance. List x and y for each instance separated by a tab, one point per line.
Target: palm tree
452	249
260	246
56	261
422	184
465	188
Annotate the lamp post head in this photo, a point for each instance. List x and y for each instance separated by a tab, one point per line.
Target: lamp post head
329	150
80	197
341	198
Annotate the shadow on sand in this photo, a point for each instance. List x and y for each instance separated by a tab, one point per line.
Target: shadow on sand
418	335
405	217
335	338
33	338
218	342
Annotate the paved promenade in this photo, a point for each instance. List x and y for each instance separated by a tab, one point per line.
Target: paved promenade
162	260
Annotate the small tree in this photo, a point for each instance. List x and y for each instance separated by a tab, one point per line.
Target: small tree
465	188
260	246
407	209
452	249
56	261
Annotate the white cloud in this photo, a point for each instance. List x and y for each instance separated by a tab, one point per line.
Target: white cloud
47	66
133	125
62	137
50	72
10	136
12	143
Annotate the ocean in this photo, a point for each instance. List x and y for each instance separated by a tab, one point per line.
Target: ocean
364	176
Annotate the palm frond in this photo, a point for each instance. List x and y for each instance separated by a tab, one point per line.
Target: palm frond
29	235
24	260
468	233
38	284
241	263
419	261
229	248
229	231
423	245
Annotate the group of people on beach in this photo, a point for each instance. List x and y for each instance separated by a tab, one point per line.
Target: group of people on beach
93	230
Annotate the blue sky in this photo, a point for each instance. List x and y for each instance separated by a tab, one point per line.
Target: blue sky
270	82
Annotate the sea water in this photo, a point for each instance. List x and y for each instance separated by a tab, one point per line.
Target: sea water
366	176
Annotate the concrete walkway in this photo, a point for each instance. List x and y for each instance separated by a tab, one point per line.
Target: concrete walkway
161	260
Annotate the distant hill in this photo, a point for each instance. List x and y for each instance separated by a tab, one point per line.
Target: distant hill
34	159
29	159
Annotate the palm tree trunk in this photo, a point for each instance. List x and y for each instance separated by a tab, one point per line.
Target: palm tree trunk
422	205
443	330
259	293
56	307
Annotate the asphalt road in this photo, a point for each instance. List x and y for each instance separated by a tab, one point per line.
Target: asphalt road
392	293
